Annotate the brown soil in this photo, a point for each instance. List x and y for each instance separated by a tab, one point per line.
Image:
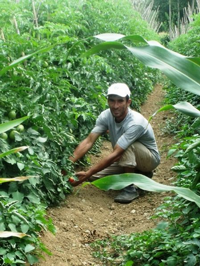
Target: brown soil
89	214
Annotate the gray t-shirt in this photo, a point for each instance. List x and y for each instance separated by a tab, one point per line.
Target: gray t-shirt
134	127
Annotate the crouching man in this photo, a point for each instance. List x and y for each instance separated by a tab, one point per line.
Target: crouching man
133	141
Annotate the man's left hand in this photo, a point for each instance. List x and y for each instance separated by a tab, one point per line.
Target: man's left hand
82	176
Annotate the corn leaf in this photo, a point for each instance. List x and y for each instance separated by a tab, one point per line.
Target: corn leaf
181	70
196	60
183	107
116	36
13	179
13	151
6	234
118	182
187	108
23	58
10	124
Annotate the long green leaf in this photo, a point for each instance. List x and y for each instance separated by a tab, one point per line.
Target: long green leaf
13	151
104	46
6	234
115	36
196	60
183	107
187	108
117	182
14	179
163	108
183	72
9	125
193	146
23	58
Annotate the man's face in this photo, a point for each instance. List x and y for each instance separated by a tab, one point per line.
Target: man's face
118	106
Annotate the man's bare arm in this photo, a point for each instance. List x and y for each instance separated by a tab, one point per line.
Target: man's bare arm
105	162
84	146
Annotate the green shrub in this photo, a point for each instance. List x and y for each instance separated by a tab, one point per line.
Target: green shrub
62	93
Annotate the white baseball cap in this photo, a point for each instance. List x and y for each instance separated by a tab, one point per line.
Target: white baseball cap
120	89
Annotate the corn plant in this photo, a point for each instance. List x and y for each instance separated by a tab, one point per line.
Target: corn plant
175	239
182	71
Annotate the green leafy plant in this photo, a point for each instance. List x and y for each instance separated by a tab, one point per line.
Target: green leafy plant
27	219
11	124
43	75
181	70
161	249
60	91
155	247
15	219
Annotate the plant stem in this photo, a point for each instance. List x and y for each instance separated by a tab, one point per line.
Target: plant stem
2	35
16	25
196	180
35	14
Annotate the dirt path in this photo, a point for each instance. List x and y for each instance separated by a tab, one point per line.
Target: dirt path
89	214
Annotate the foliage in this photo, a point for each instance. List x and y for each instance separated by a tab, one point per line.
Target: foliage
181	70
28	219
60	91
44	77
187	152
177	10
187	44
165	245
18	219
191	37
175	240
117	182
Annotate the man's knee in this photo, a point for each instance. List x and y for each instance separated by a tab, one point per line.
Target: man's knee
138	157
